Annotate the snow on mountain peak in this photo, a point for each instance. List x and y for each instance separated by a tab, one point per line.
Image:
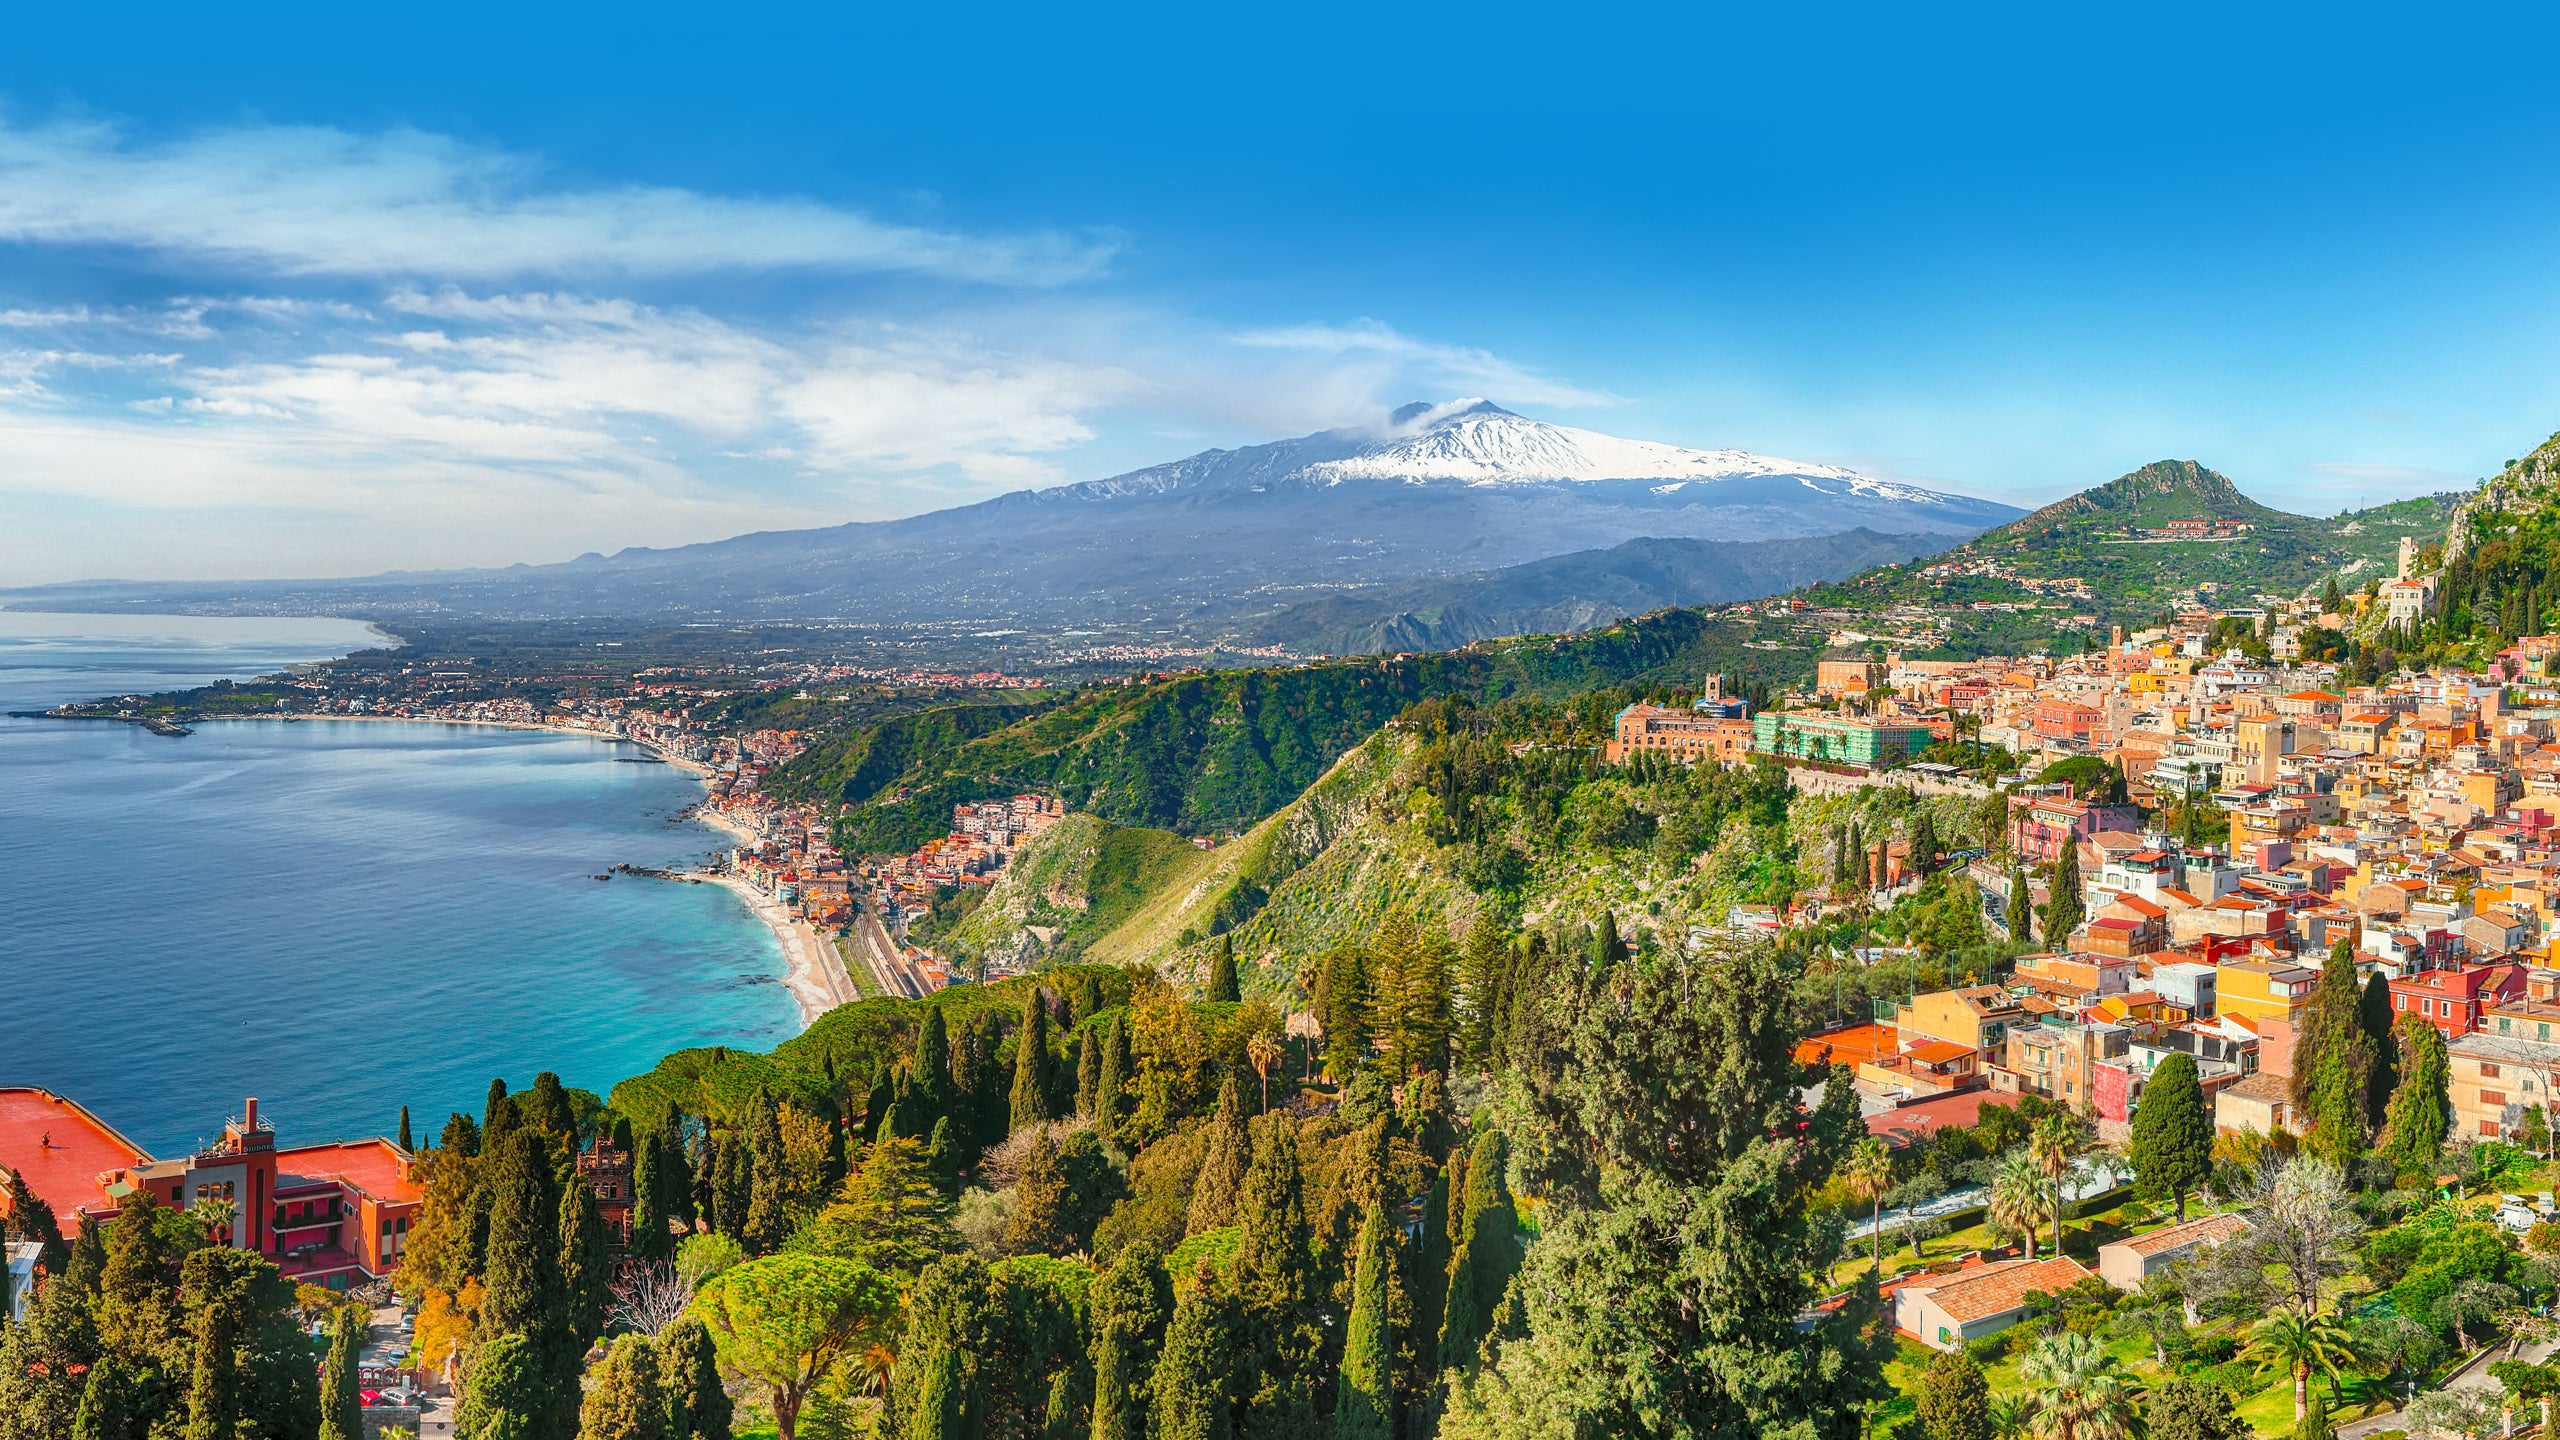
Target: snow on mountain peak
1476	442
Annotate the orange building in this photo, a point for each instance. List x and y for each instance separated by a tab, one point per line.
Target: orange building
334	1215
1684	735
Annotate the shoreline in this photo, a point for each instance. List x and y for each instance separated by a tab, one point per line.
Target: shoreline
813	984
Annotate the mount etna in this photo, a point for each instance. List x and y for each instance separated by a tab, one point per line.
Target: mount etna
1439	524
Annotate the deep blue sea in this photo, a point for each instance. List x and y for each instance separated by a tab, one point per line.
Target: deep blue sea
337	917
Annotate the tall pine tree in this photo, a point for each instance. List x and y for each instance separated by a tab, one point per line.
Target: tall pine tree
1364	1396
1193	1399
2415	1122
2333	1062
586	1266
1031	1064
1488	1254
1275	1282
2172	1142
1131	1303
341	1406
1223	1165
2022	909
2062	907
1113	1079
1222	973
2373	1014
525	1294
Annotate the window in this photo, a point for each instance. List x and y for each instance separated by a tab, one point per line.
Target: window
2488	1071
2493	1099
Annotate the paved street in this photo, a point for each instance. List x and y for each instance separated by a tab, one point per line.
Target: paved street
2476	1377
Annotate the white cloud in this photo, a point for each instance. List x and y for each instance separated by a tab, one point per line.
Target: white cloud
303	200
1460	367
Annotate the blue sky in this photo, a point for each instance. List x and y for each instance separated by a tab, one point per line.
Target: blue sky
336	292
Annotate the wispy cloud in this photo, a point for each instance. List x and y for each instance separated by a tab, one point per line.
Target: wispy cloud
301	200
1461	367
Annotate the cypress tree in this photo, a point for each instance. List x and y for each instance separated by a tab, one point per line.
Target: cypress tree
1131	1303
2062	908
624	1399
2414	1123
1364	1397
1275	1287
526	1294
586	1266
1041	1223
2373	1016
1031	1064
2022	909
341	1408
1088	1070
769	1219
690	1367
1113	1078
1222	973
509	1395
651	1238
942	1156
932	1072
547	1105
404	1130
250	1370
1954	1398
88	1260
33	1219
732	1185
461	1134
1223	1165
1191	1400
1342	1008
1429	1283
1924	843
2172	1141
113	1404
1608	952
497	1114
2333	1062
1487	1257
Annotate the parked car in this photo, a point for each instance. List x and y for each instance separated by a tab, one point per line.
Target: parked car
369	1397
2516	1215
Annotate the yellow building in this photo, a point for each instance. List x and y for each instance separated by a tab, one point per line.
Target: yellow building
2261	989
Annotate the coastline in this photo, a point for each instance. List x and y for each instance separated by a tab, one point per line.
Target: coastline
816	986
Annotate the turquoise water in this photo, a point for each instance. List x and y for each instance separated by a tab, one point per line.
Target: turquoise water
337	917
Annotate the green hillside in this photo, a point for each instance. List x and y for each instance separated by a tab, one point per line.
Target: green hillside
1213	752
2103	555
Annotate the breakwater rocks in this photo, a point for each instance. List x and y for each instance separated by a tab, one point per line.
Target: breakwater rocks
156	724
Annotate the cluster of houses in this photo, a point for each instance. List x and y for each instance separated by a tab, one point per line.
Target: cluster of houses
984	836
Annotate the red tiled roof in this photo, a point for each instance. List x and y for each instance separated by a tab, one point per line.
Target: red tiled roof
1998	1289
64	1176
1911	1122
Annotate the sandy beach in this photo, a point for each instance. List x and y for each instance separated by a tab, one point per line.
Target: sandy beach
816	981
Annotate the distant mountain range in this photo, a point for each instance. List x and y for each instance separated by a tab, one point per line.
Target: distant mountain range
1328	534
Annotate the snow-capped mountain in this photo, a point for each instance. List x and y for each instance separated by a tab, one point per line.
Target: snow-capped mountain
1432	492
1477	442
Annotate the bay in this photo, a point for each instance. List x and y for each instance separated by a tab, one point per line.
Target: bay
339	917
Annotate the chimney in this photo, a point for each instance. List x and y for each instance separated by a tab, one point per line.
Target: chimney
252	1121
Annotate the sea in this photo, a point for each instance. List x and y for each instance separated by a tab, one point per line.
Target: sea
337	917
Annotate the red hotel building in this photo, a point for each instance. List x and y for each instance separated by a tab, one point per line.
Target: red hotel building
335	1215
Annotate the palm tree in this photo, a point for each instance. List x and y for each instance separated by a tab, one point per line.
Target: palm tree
217	1216
1264	1052
2076	1390
2300	1342
1869	1174
2009	1417
2055	1142
2017	1197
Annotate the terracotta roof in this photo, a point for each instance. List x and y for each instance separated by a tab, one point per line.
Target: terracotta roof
1939	1052
2000	1288
2261	1086
2204	1229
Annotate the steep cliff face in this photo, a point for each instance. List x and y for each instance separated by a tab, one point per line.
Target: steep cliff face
2527	484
